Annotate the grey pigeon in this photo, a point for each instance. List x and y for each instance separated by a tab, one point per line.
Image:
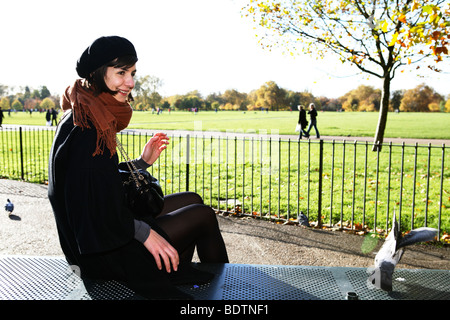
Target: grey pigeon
391	252
9	206
303	219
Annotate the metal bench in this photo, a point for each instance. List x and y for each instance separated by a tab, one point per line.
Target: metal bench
51	278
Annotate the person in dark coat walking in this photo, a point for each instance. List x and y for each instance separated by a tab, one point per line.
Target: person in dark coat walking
1	117
48	118
97	232
54	116
313	121
302	122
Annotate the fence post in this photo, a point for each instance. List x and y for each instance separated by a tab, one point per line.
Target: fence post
319	198
188	149
21	153
440	193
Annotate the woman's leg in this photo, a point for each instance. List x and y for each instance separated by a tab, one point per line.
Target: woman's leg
178	200
317	130
194	225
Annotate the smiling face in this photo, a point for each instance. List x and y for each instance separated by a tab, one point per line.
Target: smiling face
120	80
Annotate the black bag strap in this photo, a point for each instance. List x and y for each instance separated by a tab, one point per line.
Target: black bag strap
130	165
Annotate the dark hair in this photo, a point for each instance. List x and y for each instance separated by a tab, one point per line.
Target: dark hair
96	79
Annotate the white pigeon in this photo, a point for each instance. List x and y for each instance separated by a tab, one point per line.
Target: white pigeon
392	250
9	206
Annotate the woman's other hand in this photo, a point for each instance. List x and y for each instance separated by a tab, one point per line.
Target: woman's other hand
154	147
162	251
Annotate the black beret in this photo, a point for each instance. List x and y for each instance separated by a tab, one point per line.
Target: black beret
102	51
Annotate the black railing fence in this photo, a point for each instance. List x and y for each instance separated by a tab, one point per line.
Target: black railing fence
340	184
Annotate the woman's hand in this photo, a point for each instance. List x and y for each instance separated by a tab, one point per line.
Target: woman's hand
162	251
154	147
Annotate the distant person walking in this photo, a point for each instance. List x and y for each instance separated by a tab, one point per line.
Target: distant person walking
302	122
54	115
48	118
1	117
313	115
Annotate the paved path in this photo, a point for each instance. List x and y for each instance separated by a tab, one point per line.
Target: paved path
31	230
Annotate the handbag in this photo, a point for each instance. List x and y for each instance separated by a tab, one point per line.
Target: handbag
143	193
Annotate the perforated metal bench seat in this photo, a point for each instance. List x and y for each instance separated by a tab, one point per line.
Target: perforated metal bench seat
51	278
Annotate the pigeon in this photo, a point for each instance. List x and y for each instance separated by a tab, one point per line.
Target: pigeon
9	206
392	250
303	219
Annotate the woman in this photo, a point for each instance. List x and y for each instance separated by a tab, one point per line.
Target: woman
96	231
302	122
313	117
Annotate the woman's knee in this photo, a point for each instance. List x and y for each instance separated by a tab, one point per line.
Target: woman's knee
184	198
203	213
179	200
195	197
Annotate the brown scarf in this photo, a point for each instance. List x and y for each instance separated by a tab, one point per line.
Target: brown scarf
108	115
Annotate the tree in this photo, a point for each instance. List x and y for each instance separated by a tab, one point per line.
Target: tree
5	104
155	99
35	94
378	37
215	99
30	104
44	92
3	90
146	88
17	105
190	101
235	98
165	105
294	99
271	97
27	93
396	99
447	106
434	107
420	99
363	98
47	104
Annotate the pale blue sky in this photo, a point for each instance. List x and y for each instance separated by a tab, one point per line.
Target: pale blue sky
200	45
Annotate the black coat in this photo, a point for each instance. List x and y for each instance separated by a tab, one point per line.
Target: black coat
313	114
86	194
302	118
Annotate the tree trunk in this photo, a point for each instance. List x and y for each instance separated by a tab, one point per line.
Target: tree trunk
382	119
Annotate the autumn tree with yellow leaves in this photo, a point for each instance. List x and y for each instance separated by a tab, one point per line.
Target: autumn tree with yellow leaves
377	37
421	99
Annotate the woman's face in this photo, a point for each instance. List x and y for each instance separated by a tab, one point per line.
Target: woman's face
120	80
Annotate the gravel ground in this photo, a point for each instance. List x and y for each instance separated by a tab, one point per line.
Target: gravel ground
31	230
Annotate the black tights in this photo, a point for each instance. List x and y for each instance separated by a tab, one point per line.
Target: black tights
189	223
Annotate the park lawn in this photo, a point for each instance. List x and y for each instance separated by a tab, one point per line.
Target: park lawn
273	178
363	124
399	125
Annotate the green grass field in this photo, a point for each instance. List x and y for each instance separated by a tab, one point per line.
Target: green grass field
404	125
281	179
363	124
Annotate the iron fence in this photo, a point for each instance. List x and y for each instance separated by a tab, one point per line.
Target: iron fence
340	184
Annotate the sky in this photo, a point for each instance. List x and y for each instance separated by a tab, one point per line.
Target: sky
203	45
